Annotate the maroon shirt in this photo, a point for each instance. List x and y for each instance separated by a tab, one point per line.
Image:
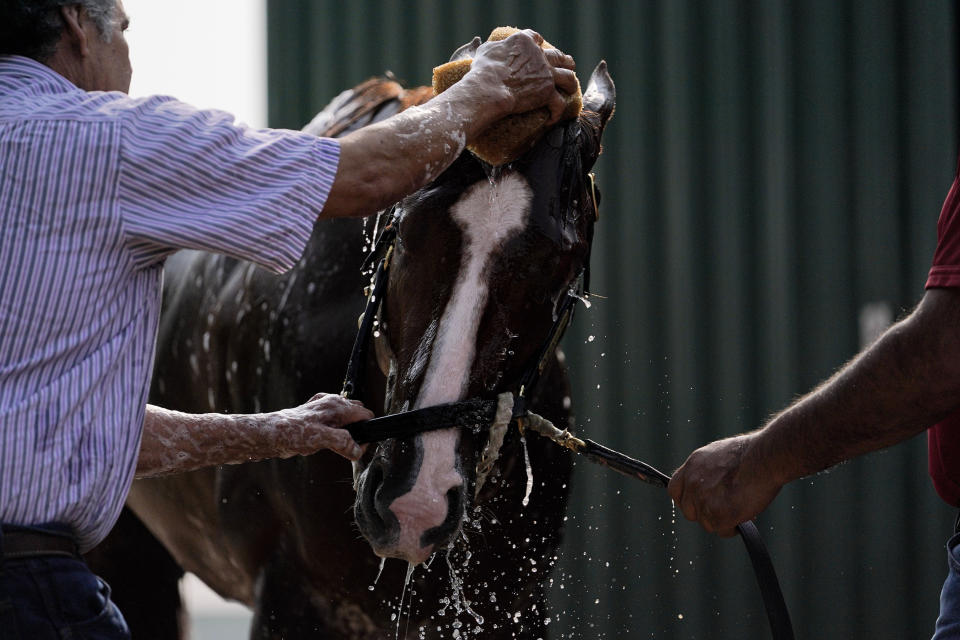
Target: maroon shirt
944	437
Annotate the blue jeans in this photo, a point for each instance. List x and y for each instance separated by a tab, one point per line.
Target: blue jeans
948	622
56	598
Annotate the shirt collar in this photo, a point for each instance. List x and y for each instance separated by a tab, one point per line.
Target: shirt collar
19	73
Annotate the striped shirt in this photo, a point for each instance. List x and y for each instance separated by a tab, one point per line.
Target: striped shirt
96	190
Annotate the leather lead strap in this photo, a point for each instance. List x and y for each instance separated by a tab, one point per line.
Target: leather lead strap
773	601
776	606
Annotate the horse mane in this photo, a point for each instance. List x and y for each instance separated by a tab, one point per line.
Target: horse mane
375	99
380	97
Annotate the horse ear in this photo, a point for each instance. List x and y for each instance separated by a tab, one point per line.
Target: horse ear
601	94
468	50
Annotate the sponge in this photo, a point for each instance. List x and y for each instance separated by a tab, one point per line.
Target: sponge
508	138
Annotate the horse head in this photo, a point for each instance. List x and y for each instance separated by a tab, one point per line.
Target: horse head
483	260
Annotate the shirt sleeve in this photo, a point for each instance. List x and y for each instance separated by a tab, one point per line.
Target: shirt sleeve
945	271
193	179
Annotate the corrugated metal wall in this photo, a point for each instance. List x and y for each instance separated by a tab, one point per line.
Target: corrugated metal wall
772	180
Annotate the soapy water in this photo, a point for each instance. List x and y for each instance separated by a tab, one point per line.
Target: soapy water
458	599
526	460
399	614
383	561
457	615
474	606
456	604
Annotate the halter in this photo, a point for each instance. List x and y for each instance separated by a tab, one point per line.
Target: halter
496	414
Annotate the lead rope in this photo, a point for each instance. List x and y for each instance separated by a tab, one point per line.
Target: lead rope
773	601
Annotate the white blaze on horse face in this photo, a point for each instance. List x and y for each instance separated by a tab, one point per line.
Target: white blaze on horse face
489	214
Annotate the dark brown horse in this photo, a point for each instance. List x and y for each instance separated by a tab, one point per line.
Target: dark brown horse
482	261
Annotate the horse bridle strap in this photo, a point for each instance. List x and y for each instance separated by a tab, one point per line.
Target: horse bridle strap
474	414
384	245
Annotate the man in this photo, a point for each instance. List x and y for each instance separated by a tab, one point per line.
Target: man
96	189
906	381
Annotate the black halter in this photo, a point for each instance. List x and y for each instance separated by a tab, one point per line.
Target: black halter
352	384
478	414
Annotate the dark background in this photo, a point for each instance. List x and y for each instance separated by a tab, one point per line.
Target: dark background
772	180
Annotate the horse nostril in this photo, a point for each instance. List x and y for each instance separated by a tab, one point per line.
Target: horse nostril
381	503
441	535
377	525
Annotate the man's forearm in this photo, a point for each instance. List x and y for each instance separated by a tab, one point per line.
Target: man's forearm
175	442
905	382
900	386
383	162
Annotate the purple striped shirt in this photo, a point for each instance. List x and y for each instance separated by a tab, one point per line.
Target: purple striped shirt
96	190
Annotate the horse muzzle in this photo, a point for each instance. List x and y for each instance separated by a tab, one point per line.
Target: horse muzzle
411	498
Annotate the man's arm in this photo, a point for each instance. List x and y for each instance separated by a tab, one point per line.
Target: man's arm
175	442
898	387
383	162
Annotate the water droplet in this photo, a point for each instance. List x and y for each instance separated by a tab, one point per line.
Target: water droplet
383	561
406	582
526	460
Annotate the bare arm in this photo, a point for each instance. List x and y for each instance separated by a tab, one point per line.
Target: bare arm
383	162
175	442
898	387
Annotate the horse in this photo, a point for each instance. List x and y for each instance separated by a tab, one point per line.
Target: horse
482	259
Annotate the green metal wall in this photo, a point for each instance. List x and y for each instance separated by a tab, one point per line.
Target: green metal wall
773	169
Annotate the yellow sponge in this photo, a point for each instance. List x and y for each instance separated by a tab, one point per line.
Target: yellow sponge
508	138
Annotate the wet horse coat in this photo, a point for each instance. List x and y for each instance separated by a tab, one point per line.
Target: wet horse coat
480	264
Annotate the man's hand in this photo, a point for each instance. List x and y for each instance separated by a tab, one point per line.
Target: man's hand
521	76
719	487
316	425
904	382
385	161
